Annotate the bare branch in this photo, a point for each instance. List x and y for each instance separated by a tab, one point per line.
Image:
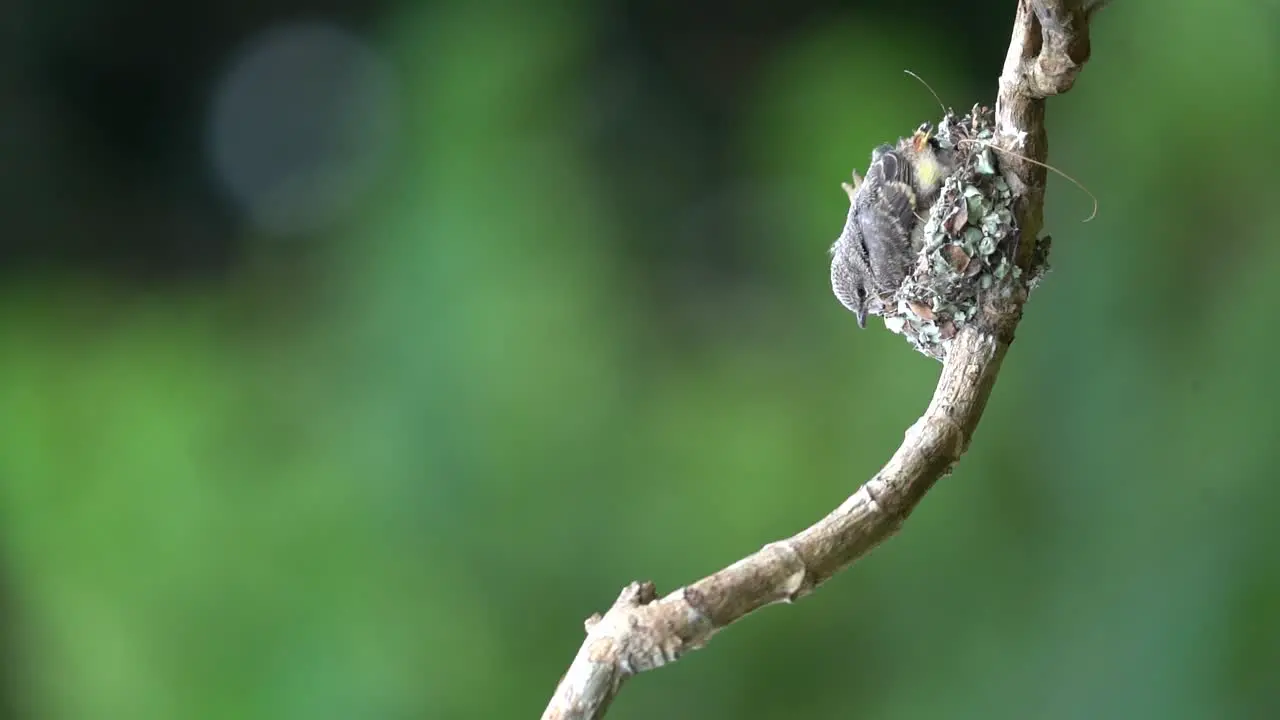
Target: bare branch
1049	47
640	632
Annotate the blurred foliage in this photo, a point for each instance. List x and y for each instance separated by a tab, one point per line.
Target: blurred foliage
387	474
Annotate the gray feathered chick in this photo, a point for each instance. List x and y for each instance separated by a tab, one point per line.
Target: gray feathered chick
875	252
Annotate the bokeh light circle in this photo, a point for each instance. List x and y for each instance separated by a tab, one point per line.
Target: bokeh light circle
301	124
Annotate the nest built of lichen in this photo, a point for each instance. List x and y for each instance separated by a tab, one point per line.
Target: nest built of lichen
966	244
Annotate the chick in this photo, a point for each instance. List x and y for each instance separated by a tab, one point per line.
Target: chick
876	249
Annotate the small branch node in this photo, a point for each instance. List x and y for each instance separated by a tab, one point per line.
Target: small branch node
794	582
873	501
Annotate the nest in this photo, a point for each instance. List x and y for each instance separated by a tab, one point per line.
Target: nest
967	245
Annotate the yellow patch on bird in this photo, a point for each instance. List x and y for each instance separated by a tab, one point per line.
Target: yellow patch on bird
928	170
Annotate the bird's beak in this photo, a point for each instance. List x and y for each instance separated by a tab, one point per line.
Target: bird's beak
920	138
862	317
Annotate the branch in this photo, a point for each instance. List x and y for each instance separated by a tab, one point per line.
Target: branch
640	632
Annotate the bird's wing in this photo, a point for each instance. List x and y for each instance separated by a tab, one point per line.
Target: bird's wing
884	213
888	185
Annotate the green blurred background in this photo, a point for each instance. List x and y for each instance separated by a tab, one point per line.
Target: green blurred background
352	353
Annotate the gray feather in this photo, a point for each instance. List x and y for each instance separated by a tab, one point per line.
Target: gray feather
874	253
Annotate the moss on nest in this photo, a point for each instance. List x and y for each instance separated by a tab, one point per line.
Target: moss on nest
966	245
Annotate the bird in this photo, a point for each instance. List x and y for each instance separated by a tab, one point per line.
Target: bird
876	249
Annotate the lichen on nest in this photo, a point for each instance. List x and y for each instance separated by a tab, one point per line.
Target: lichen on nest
966	245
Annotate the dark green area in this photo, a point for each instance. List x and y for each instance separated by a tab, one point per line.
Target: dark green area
388	474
